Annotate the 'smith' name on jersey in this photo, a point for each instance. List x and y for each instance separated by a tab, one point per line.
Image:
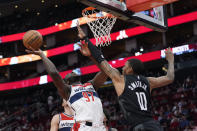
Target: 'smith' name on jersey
137	84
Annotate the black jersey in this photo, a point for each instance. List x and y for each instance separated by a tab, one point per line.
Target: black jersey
135	100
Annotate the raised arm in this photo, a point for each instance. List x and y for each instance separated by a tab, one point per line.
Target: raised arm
55	123
98	58
63	88
156	82
100	77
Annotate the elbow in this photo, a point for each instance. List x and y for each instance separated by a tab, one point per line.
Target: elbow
171	79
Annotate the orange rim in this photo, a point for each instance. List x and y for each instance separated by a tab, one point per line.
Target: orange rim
94	15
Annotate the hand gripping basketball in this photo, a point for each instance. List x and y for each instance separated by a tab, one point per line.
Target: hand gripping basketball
33	51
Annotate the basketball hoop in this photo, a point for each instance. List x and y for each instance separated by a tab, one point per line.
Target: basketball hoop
100	24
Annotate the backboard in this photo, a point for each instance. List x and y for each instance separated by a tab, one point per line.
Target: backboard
154	18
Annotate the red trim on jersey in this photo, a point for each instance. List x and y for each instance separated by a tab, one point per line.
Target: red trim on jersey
87	84
76	127
77	85
66	117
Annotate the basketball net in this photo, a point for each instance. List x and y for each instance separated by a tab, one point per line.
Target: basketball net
100	24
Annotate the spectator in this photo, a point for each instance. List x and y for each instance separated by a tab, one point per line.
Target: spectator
183	122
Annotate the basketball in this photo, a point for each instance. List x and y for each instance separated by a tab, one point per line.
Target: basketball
32	38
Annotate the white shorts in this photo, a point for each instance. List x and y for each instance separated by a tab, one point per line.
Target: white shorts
83	127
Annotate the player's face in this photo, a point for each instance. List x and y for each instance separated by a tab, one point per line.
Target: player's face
64	103
69	76
126	69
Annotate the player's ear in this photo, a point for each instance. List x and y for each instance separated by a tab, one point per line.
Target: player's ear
130	69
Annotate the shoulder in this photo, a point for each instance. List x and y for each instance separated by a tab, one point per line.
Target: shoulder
89	83
56	118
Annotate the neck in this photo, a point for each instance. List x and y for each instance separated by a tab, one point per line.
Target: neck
76	83
68	111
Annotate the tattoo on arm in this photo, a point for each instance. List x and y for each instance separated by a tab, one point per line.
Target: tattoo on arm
156	82
63	88
110	71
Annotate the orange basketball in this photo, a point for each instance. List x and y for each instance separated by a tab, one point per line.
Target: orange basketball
32	38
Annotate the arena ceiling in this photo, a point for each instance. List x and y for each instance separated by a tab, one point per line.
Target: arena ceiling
8	7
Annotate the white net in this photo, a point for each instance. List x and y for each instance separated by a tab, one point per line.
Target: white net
100	24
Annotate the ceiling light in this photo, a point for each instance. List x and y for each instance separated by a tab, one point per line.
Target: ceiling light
27	10
42	1
38	13
141	49
56	6
16	6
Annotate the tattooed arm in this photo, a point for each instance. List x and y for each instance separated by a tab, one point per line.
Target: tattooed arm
106	70
88	48
63	88
100	77
156	82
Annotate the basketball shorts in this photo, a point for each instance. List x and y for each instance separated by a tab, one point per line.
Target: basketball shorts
84	127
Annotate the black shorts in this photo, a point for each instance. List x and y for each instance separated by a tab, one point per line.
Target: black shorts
148	126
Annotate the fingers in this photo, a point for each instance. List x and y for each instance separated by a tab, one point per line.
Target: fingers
85	44
79	44
31	48
28	51
168	50
39	50
82	42
78	26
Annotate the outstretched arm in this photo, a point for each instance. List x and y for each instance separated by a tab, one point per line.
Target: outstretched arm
63	88
88	49
100	77
156	82
114	74
98	58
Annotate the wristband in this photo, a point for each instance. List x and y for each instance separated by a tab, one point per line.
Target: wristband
96	54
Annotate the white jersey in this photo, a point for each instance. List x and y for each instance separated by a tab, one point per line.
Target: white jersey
66	122
86	104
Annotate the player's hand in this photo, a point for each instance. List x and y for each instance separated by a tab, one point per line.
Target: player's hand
84	48
169	55
81	34
33	51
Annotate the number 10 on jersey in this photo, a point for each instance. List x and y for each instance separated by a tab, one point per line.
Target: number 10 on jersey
142	100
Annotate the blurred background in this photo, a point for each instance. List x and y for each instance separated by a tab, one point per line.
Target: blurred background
28	99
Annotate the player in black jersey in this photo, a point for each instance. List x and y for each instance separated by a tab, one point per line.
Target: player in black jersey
132	88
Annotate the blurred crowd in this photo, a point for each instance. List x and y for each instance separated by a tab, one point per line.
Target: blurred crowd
174	106
20	22
23	21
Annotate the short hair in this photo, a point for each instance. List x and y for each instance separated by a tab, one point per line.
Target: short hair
72	78
137	66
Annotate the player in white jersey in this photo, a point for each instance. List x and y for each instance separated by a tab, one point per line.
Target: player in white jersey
63	121
87	106
82	97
